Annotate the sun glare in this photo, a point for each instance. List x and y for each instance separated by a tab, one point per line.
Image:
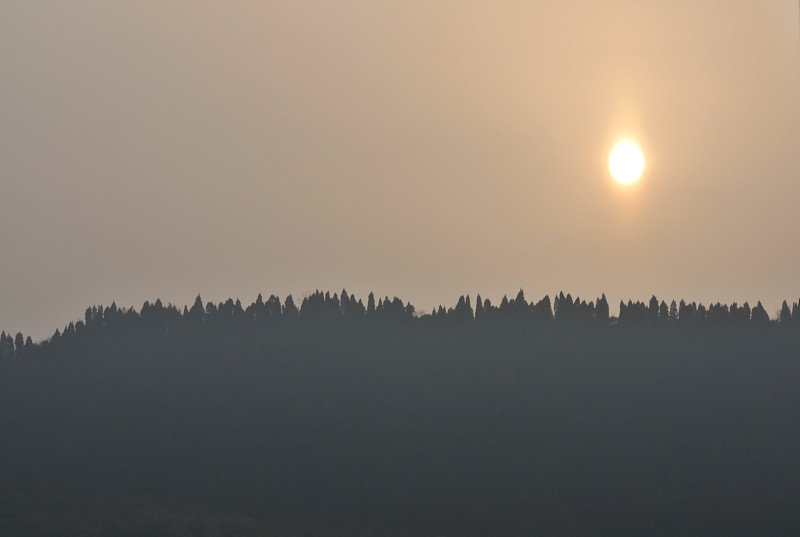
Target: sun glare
626	162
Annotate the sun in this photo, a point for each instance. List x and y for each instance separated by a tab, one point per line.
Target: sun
626	162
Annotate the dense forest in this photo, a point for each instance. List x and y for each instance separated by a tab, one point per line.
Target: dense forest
335	417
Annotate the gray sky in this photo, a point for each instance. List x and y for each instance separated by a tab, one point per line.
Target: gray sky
414	148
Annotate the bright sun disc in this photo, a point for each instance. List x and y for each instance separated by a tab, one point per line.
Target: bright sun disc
626	162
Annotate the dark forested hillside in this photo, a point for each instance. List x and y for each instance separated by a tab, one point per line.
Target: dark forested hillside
335	417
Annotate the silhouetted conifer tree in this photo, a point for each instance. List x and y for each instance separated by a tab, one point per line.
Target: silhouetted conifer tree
195	314
701	313
289	309
255	312
225	310
317	305
521	308
786	314
112	315
652	309
638	311
238	312
759	314
663	312
479	315
717	312
543	310
504	309
272	307
462	311
488	309
211	312
6	346
562	306
332	303
683	312
601	313
19	344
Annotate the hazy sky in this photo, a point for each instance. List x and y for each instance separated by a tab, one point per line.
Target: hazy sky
422	149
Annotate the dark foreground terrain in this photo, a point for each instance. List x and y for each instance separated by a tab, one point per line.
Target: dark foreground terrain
338	426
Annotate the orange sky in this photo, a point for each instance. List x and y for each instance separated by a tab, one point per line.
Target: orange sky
420	149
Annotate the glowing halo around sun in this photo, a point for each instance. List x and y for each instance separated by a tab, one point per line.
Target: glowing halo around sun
626	162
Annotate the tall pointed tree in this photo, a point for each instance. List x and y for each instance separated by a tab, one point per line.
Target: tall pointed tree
290	311
479	312
601	310
652	309
786	314
663	312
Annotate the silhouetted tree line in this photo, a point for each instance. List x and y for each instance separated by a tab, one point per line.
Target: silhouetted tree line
341	416
320	306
